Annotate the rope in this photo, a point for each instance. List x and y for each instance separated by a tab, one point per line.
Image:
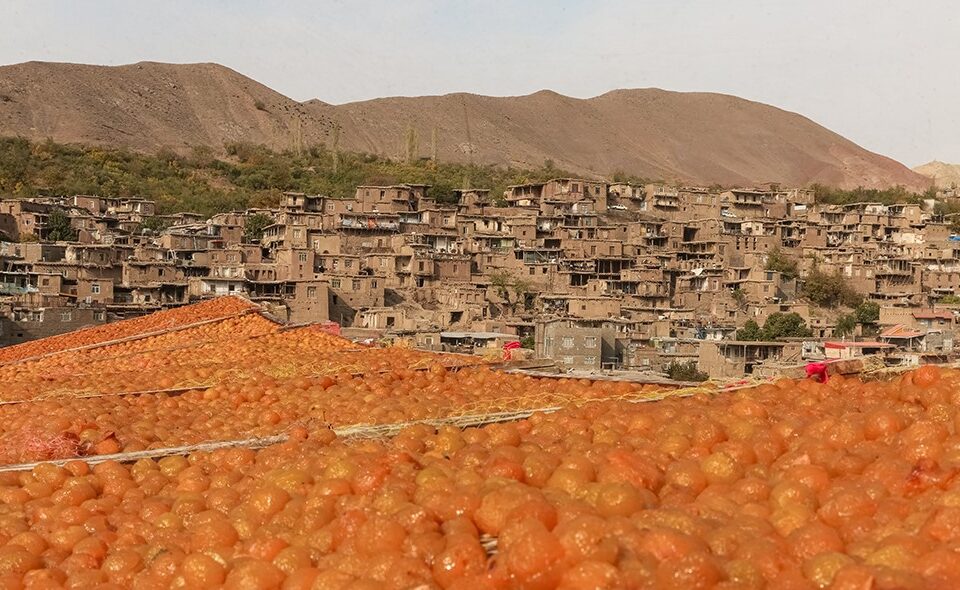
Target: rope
353	432
286	371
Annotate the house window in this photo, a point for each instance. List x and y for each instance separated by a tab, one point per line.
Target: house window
231	288
348	263
95	288
590	341
428	340
311	292
66	316
297	234
568	360
356	284
454	268
568	341
532	270
336	263
335	283
99	316
373	284
383	194
383	263
45	281
303	257
590	360
575	188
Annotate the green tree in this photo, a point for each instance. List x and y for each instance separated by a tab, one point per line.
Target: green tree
155	224
254	226
443	193
778	325
243	175
780	262
500	279
686	372
749	331
950	300
59	228
888	196
829	290
868	312
528	342
784	325
846	324
523	291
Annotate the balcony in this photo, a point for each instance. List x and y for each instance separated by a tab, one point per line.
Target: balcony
370	223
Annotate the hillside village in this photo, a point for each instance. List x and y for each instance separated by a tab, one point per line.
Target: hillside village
591	274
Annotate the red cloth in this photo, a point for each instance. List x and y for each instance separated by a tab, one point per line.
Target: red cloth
819	370
508	347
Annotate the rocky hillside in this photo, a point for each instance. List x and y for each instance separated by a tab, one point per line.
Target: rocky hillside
687	137
148	106
943	175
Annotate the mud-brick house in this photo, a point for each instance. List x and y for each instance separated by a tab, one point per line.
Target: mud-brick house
390	199
573	344
850	350
29	218
729	359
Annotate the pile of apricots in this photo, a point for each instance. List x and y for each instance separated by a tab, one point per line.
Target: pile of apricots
220	307
261	405
846	485
232	349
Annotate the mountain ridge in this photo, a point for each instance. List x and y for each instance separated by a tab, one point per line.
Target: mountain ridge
697	137
943	174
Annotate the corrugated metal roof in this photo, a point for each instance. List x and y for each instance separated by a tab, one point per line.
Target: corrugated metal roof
900	331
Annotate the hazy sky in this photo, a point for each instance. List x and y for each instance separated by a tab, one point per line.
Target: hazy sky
882	73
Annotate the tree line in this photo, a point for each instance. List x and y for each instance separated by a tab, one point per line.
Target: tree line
243	175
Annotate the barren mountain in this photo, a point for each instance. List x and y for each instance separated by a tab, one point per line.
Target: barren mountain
943	175
689	137
148	106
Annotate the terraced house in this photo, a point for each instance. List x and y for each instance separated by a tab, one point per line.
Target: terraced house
594	275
